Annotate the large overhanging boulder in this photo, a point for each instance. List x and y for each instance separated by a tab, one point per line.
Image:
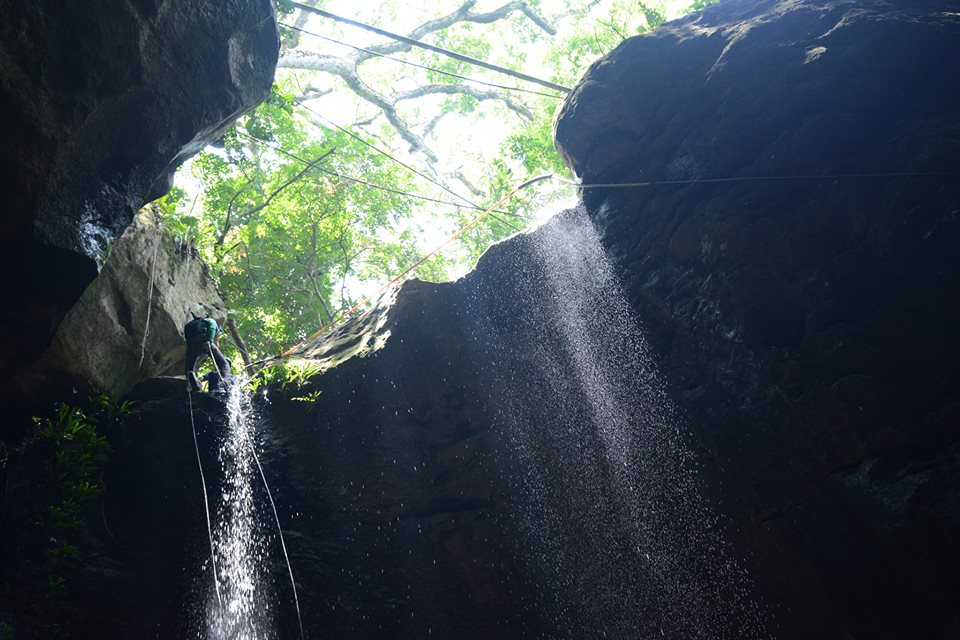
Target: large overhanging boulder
99	103
128	324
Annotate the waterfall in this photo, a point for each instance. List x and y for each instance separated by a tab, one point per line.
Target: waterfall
618	540
239	536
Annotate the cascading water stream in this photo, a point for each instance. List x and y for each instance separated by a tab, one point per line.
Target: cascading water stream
619	541
239	539
239	606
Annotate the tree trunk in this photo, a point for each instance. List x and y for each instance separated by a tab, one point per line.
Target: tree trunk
232	326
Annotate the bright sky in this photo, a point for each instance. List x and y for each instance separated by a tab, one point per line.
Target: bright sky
483	135
462	144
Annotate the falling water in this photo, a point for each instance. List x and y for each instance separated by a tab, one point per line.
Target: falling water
619	542
239	539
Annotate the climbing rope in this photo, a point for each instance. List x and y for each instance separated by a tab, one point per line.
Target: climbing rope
146	326
273	504
834	176
206	499
436	183
598	185
435	49
420	66
395	279
365	183
283	545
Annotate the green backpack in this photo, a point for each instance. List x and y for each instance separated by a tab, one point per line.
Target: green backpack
200	329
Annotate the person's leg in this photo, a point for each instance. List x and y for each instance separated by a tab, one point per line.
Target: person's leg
223	365
193	353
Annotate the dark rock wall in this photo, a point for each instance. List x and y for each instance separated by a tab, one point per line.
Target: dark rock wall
804	328
389	484
99	102
493	470
807	326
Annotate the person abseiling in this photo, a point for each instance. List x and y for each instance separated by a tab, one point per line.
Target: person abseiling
201	337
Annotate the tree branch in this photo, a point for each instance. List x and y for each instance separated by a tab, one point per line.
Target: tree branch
292	37
312	93
228	222
479	94
346	67
241	345
266	203
472	188
348	73
463	14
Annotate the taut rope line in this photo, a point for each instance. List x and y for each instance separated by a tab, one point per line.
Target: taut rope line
598	185
395	279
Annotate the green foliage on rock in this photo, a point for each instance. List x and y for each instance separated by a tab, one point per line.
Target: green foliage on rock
53	479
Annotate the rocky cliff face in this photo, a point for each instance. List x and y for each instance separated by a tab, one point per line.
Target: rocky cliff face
800	345
128	324
99	102
806	325
504	465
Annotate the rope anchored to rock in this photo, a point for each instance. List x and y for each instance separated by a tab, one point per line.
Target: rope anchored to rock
580	185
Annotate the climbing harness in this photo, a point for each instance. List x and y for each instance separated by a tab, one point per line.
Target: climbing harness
206	500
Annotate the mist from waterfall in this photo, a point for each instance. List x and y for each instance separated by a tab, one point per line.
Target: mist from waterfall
619	543
598	482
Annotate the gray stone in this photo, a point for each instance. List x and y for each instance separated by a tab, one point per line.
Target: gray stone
101	339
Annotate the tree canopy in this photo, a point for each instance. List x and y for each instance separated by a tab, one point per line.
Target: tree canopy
370	151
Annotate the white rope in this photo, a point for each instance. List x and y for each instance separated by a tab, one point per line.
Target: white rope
835	176
283	545
206	500
146	326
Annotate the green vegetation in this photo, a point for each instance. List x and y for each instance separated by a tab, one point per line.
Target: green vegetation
52	482
279	212
291	377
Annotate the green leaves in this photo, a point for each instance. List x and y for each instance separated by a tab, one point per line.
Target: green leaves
291	246
70	448
284	239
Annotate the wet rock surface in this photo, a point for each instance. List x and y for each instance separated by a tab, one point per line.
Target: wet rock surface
388	483
804	330
473	477
805	325
99	103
